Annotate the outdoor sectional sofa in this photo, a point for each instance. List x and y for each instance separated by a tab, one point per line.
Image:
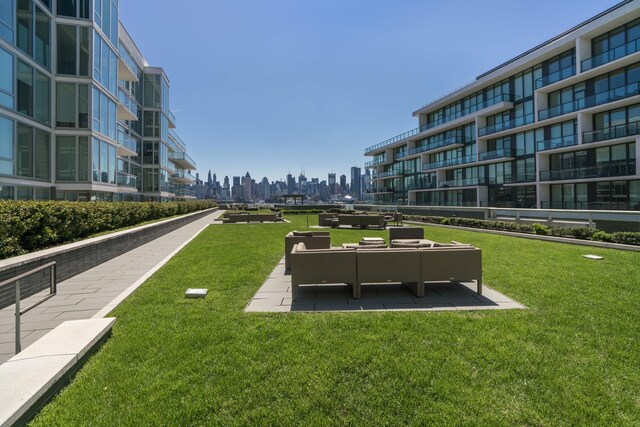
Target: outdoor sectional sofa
360	221
232	218
311	239
411	266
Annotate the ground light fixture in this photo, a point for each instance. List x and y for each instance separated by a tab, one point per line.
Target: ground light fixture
196	293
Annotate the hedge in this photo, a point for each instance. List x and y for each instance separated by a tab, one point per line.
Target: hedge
584	233
31	226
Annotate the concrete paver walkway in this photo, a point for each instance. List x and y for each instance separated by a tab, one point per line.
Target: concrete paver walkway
97	291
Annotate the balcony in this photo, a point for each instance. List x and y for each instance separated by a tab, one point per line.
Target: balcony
126	180
380	190
590	206
509	124
610	55
562	141
603	170
182	160
183	177
127	146
620	131
375	162
389	174
126	69
591	101
497	154
449	162
556	77
127	108
185	192
520	178
469	182
172	119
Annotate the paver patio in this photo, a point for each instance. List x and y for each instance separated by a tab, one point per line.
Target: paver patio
275	296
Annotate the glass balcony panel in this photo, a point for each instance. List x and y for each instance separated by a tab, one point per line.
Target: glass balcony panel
611	55
562	141
608	169
126	180
497	154
620	131
591	101
556	77
509	124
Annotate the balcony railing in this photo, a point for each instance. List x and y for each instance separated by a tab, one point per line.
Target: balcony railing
519	177
389	173
611	55
600	171
184	192
127	141
509	124
381	190
449	162
619	131
181	156
556	77
126	180
559	142
462	113
607	206
469	182
400	154
590	101
128	103
375	162
183	175
497	154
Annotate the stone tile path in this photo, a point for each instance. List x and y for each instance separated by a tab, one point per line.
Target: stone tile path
96	291
275	296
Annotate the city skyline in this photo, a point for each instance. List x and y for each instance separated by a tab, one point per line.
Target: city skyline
310	86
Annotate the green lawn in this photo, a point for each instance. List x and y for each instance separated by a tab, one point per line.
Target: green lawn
570	359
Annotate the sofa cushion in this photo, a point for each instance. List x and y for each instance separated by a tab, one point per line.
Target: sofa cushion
303	233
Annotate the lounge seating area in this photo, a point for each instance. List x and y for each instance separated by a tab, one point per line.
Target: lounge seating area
411	260
361	221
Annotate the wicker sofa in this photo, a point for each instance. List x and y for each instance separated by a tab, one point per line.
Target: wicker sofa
405	233
451	262
389	265
311	239
233	218
317	266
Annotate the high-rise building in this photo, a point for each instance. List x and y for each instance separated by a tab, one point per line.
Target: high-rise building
343	184
356	182
554	127
291	184
332	183
82	115
247	187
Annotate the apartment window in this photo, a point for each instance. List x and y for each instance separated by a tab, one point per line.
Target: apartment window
32	152
104	159
74	8
72	158
73	50
7	147
25	89
42	38
72	105
25	26
6	20
6	79
104	64
33	90
104	114
105	14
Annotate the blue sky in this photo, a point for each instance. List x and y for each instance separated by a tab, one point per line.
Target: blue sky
288	85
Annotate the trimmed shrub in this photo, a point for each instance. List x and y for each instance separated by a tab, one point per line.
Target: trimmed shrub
602	236
626	237
540	229
31	226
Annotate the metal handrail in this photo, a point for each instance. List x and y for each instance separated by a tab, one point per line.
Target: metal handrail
19	311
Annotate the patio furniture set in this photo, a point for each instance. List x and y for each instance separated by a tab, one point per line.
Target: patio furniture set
359	220
410	260
235	217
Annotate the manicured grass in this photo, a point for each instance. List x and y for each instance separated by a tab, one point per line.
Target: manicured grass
570	359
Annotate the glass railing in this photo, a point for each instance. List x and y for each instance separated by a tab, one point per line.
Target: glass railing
183	174
400	154
559	142
184	192
375	162
556	77
181	155
180	143
469	182
389	173
167	188
449	162
127	141
611	55
128	102
381	190
126	180
509	124
172	117
592	206
127	59
590	101
599	171
464	112
519	177
497	154
612	132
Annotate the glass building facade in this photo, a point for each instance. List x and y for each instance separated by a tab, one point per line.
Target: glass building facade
556	127
82	117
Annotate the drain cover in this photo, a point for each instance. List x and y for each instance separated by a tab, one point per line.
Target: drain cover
196	293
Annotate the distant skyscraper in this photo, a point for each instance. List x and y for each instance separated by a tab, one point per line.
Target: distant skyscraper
343	183
356	182
248	194
291	184
332	183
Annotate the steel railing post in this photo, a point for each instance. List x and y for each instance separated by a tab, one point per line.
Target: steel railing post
18	347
